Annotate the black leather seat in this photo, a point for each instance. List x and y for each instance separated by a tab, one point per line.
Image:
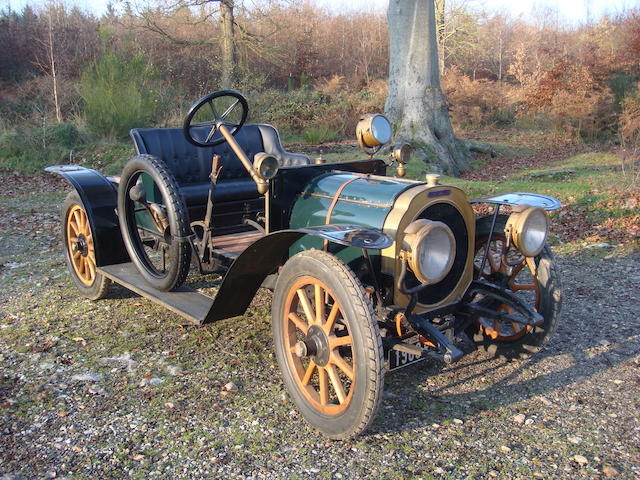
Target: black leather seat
191	165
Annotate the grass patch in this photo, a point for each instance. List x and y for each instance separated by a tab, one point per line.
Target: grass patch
601	203
512	151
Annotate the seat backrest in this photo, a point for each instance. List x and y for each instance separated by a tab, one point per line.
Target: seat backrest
191	164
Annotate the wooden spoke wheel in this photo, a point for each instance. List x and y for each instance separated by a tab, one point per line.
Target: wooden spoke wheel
80	244
327	343
79	247
534	279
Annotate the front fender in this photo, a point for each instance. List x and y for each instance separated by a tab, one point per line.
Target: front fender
518	198
99	197
264	256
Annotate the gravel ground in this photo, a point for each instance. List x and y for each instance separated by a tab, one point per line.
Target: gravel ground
118	389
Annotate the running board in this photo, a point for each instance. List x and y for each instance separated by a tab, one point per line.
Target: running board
185	301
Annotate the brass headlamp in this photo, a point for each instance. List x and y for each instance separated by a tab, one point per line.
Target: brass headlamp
527	227
431	250
401	154
373	131
266	167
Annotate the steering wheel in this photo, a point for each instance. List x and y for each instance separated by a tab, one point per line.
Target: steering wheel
206	113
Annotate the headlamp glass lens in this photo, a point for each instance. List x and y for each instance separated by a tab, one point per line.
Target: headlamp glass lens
381	129
534	233
435	254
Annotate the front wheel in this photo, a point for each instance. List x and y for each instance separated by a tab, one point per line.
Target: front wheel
327	344
536	280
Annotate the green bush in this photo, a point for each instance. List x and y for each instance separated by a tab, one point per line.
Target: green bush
29	150
119	94
320	134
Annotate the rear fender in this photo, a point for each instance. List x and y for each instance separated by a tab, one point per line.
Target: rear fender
248	271
100	199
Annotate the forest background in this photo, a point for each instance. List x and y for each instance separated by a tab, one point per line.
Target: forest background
72	84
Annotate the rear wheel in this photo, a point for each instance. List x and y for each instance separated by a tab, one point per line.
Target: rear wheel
79	249
535	280
154	222
327	344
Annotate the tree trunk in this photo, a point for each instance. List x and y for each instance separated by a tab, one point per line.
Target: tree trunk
440	24
415	104
52	66
227	77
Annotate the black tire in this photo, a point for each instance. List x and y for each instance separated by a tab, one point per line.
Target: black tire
358	349
545	295
177	249
81	262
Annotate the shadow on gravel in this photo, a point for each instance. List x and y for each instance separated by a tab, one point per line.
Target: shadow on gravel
597	333
437	406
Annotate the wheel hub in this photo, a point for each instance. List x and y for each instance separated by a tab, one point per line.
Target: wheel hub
81	245
315	344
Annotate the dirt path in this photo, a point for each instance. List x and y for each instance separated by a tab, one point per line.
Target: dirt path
118	389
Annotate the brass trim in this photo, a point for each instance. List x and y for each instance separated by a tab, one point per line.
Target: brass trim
261	184
349	200
336	197
405	210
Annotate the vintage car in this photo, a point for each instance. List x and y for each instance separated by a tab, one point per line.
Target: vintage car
369	272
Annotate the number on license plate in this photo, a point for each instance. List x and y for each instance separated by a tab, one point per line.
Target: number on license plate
398	359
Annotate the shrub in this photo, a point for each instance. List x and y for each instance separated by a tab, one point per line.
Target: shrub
119	94
32	99
333	115
320	134
629	127
478	102
31	149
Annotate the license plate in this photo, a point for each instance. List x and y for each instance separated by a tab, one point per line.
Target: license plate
398	359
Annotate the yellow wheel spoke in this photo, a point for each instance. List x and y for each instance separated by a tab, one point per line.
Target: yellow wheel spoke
299	323
331	319
532	266
337	359
74	227
85	224
309	373
324	386
319	297
520	286
76	218
335	342
306	306
92	269
336	382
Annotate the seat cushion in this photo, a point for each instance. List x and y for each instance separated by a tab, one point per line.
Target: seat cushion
228	191
191	165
